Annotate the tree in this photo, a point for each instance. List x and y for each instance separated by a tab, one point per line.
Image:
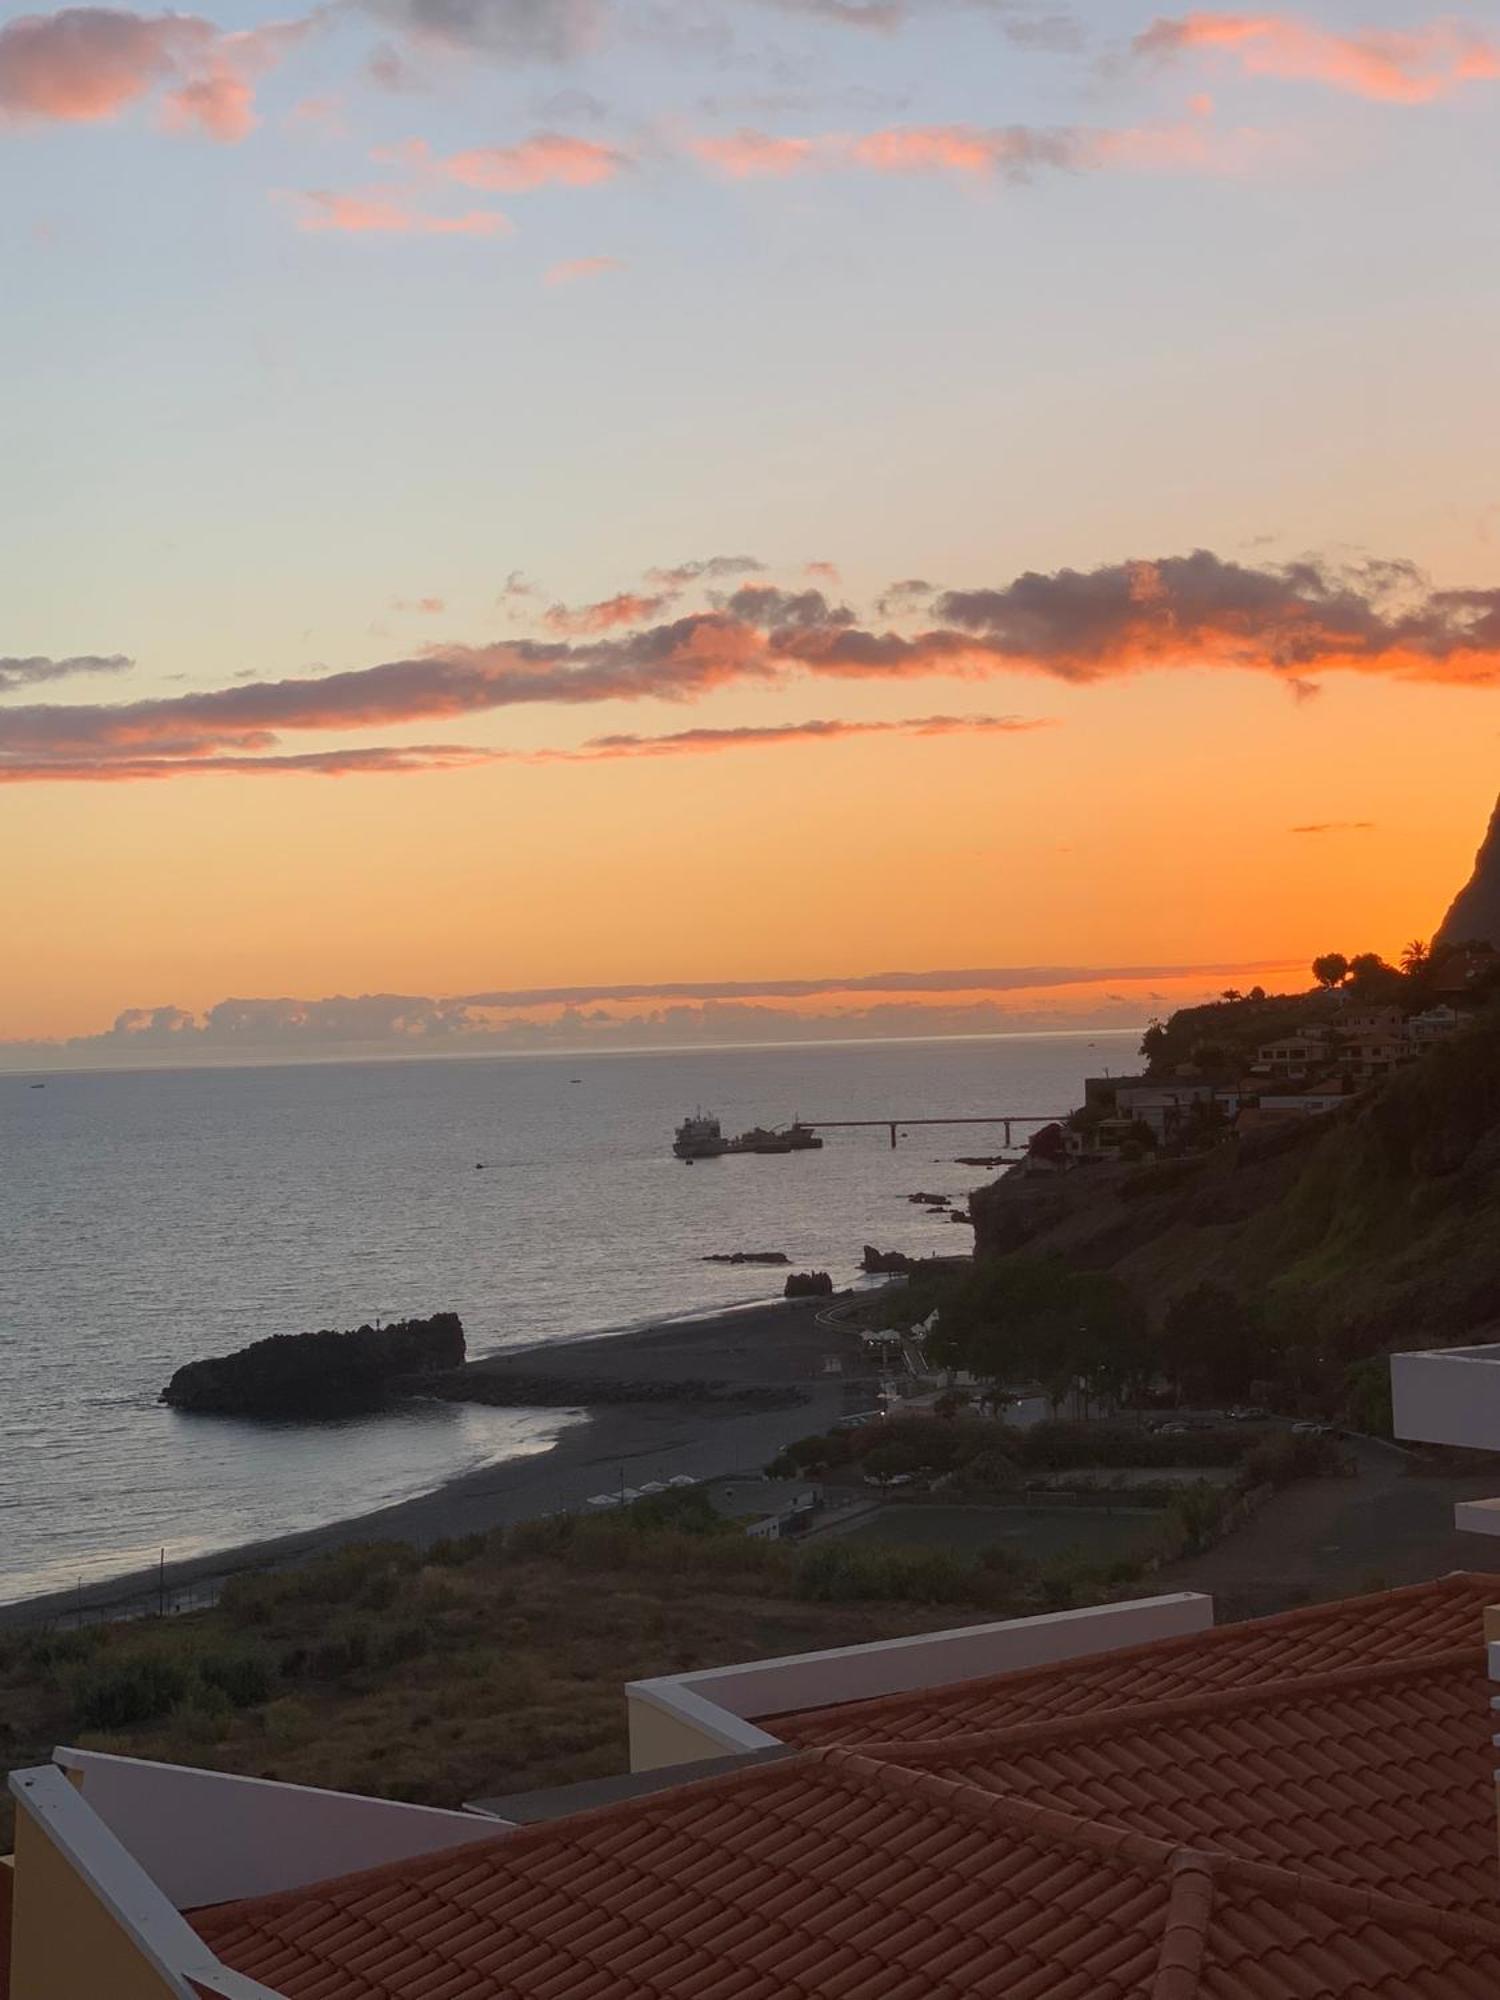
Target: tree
1231	993
1372	979
1415	958
1210	1345
1256	993
1331	970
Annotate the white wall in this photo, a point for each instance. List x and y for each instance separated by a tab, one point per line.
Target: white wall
1450	1396
206	1838
717	1710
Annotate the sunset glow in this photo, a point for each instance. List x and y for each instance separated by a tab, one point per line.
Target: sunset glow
730	502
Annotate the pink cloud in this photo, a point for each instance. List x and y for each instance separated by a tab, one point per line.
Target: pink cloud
574	268
1395	67
1012	152
322	211
547	159
86	64
427	757
750	155
606	616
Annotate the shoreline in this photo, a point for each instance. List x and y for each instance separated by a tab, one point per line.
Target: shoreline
747	1351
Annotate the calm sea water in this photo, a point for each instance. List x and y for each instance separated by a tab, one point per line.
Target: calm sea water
152	1217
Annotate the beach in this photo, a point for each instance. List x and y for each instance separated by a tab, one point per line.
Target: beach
718	1394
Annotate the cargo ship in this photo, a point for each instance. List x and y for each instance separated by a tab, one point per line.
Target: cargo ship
701	1137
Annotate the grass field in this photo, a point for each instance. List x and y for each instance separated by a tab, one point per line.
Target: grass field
1039	1534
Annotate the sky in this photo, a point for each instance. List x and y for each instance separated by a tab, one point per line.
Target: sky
546	496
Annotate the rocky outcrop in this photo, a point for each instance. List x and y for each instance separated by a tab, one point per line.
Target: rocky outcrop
748	1257
1475	911
886	1263
315	1374
809	1285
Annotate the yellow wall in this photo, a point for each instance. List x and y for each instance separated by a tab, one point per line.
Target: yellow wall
65	1945
657	1739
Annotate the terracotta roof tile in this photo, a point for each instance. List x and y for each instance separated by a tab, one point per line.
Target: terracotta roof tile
1410	1623
1300	1809
1047	1906
1382	1778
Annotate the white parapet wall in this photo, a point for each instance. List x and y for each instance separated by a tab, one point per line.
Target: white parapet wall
204	1837
681	1717
1450	1395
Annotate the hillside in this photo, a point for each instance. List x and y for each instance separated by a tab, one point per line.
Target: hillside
1374	1228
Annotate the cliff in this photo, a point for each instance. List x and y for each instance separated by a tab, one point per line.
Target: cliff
1475	910
315	1374
1376	1227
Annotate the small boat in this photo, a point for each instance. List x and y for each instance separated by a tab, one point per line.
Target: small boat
700	1137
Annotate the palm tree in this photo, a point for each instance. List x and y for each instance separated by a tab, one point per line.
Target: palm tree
1415	958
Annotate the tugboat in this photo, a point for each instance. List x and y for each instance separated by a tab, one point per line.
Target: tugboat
700	1137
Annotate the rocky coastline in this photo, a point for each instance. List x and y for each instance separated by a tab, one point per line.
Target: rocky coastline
321	1373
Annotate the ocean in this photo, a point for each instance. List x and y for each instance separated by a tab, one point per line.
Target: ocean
151	1217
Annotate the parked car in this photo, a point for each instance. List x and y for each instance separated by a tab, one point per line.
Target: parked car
1247	1414
1309	1429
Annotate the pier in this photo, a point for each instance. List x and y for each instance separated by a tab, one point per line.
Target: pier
895	1125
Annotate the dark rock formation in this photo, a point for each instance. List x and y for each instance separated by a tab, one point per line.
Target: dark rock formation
315	1374
749	1257
1475	912
808	1285
887	1263
929	1200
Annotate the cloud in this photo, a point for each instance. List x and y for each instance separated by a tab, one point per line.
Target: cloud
709	569
1337	826
575	268
900	598
511	31
378	212
1290	621
1394	67
826	572
426	607
675	1013
367	762
1013	153
86	64
963	979
34	669
611	612
107	767
546	159
516	590
697	742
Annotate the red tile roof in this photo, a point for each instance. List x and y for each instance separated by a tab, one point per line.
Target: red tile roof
1415	1622
1298	1809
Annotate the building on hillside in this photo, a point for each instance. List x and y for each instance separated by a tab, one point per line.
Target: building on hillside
1121	1803
1298	1055
1372	1041
1436	1024
1300	1103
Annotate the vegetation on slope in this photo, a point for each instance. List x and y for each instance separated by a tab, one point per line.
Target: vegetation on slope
1335	1238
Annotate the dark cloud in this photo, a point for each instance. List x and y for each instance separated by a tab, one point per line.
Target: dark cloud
763	605
1291	621
749	735
710	569
516	31
900	598
352	763
1337	826
32	670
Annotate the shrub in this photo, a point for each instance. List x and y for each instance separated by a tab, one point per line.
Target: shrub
120	1694
242	1678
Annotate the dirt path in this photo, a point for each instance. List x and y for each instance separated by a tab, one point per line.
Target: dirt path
1333	1537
